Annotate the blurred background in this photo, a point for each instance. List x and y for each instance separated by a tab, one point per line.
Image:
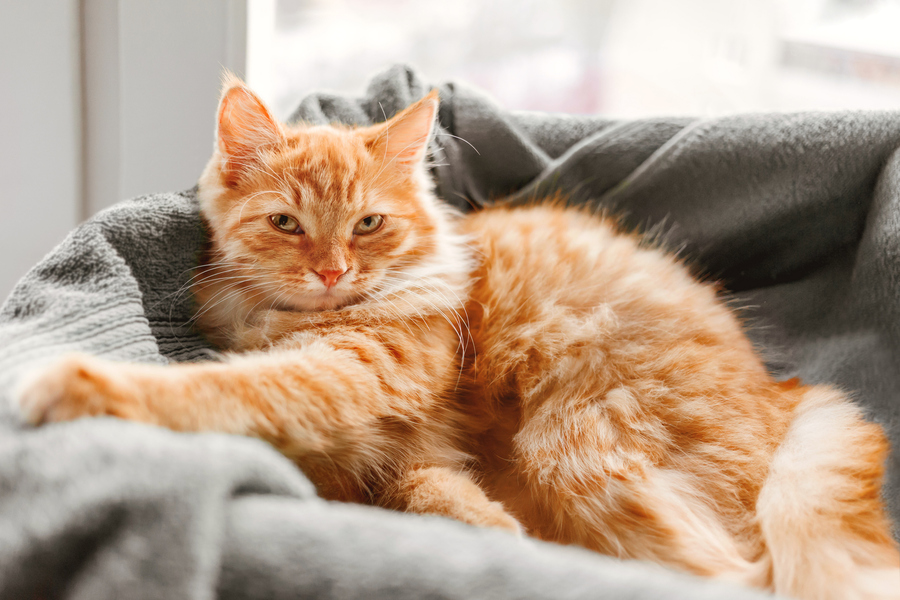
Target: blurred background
102	100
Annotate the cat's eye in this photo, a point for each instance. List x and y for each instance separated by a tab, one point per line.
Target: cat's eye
369	224
286	224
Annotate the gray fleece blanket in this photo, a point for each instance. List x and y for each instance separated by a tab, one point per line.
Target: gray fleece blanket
798	216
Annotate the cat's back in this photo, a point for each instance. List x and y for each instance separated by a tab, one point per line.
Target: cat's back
545	269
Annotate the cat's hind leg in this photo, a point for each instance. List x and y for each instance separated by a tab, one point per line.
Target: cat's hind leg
598	488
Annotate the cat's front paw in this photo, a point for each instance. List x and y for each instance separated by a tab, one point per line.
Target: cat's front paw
75	386
495	516
506	522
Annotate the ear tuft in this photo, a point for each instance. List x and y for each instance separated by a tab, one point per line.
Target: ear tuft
403	139
245	128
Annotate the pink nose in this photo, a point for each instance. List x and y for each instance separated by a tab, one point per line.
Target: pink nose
329	276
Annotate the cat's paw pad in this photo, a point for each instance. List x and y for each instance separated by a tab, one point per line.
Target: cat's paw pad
70	388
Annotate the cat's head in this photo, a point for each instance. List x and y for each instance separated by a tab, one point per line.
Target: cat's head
319	217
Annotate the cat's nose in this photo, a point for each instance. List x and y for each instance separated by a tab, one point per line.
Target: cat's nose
329	276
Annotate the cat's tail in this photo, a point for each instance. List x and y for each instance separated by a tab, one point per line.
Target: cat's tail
824	528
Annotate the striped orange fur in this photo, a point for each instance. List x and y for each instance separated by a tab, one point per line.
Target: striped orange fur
531	369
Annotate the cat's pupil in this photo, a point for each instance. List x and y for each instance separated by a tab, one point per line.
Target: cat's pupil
282	220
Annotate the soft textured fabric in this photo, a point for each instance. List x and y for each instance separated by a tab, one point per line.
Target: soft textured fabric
797	215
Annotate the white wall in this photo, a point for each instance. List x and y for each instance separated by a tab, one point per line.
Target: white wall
152	75
172	53
40	125
102	100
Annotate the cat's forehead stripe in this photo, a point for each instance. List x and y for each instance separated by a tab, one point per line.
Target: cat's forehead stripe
325	175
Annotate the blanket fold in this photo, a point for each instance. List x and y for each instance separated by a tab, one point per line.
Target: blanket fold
797	215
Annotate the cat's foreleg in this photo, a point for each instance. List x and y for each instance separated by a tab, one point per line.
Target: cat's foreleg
343	415
326	400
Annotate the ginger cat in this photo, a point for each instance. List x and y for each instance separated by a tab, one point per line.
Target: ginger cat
530	369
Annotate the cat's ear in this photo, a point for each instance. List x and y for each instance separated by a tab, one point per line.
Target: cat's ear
403	140
245	130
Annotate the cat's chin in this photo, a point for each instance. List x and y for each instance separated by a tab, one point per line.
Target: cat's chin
315	302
